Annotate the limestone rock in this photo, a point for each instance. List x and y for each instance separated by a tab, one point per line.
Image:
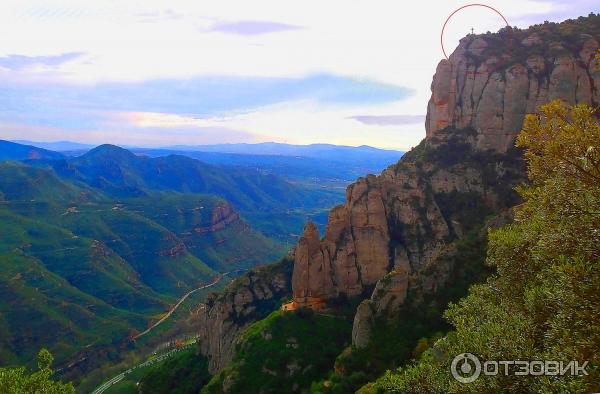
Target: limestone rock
387	298
244	301
493	96
397	232
362	326
390	291
221	216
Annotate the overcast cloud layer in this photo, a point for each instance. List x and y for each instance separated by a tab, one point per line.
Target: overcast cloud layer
187	72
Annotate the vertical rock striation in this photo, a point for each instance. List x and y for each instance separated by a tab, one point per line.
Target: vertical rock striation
491	91
394	240
407	220
247	299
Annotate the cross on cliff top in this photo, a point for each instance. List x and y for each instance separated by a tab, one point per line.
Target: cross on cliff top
472	30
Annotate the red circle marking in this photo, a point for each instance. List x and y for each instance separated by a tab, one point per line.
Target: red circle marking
471	5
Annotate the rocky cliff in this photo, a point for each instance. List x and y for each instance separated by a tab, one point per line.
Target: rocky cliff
247	299
221	216
490	82
407	220
397	238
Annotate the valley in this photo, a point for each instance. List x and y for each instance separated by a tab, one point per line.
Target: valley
110	240
177	265
430	234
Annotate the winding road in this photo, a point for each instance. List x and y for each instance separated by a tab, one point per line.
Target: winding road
182	299
106	385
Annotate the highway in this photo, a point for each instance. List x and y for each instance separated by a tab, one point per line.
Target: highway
106	385
100	389
181	300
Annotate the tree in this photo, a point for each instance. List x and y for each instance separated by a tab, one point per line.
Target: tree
543	301
17	381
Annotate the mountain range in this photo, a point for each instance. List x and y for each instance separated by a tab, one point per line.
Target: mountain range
93	267
97	244
14	151
315	163
468	242
409	242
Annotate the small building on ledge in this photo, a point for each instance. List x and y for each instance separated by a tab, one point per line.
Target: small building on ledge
314	303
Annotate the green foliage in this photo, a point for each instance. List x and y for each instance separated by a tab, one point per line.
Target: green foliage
184	373
17	381
542	304
391	344
81	269
283	352
507	44
394	342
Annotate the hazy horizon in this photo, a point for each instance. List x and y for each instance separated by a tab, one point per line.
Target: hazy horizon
232	72
91	144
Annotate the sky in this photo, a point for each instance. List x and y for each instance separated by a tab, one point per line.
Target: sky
160	73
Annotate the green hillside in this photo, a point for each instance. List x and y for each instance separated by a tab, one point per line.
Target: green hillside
276	207
41	307
93	268
122	173
13	151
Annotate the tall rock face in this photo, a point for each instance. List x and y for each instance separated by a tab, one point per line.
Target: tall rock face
356	239
247	299
490	82
395	241
407	220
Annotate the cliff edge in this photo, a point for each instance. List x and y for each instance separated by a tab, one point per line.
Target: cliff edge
407	220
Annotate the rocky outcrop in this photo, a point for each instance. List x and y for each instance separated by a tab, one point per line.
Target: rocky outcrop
394	242
389	222
407	220
353	253
489	87
177	249
362	325
221	216
247	299
387	297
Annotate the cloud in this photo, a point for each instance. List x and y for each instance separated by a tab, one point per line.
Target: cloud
252	28
160	120
20	62
387	120
554	11
206	109
198	96
123	134
159	16
192	59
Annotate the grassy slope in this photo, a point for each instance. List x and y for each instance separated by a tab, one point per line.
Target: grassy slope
271	204
184	373
283	352
92	267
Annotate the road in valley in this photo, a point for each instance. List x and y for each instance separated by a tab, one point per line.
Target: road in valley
106	385
181	300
